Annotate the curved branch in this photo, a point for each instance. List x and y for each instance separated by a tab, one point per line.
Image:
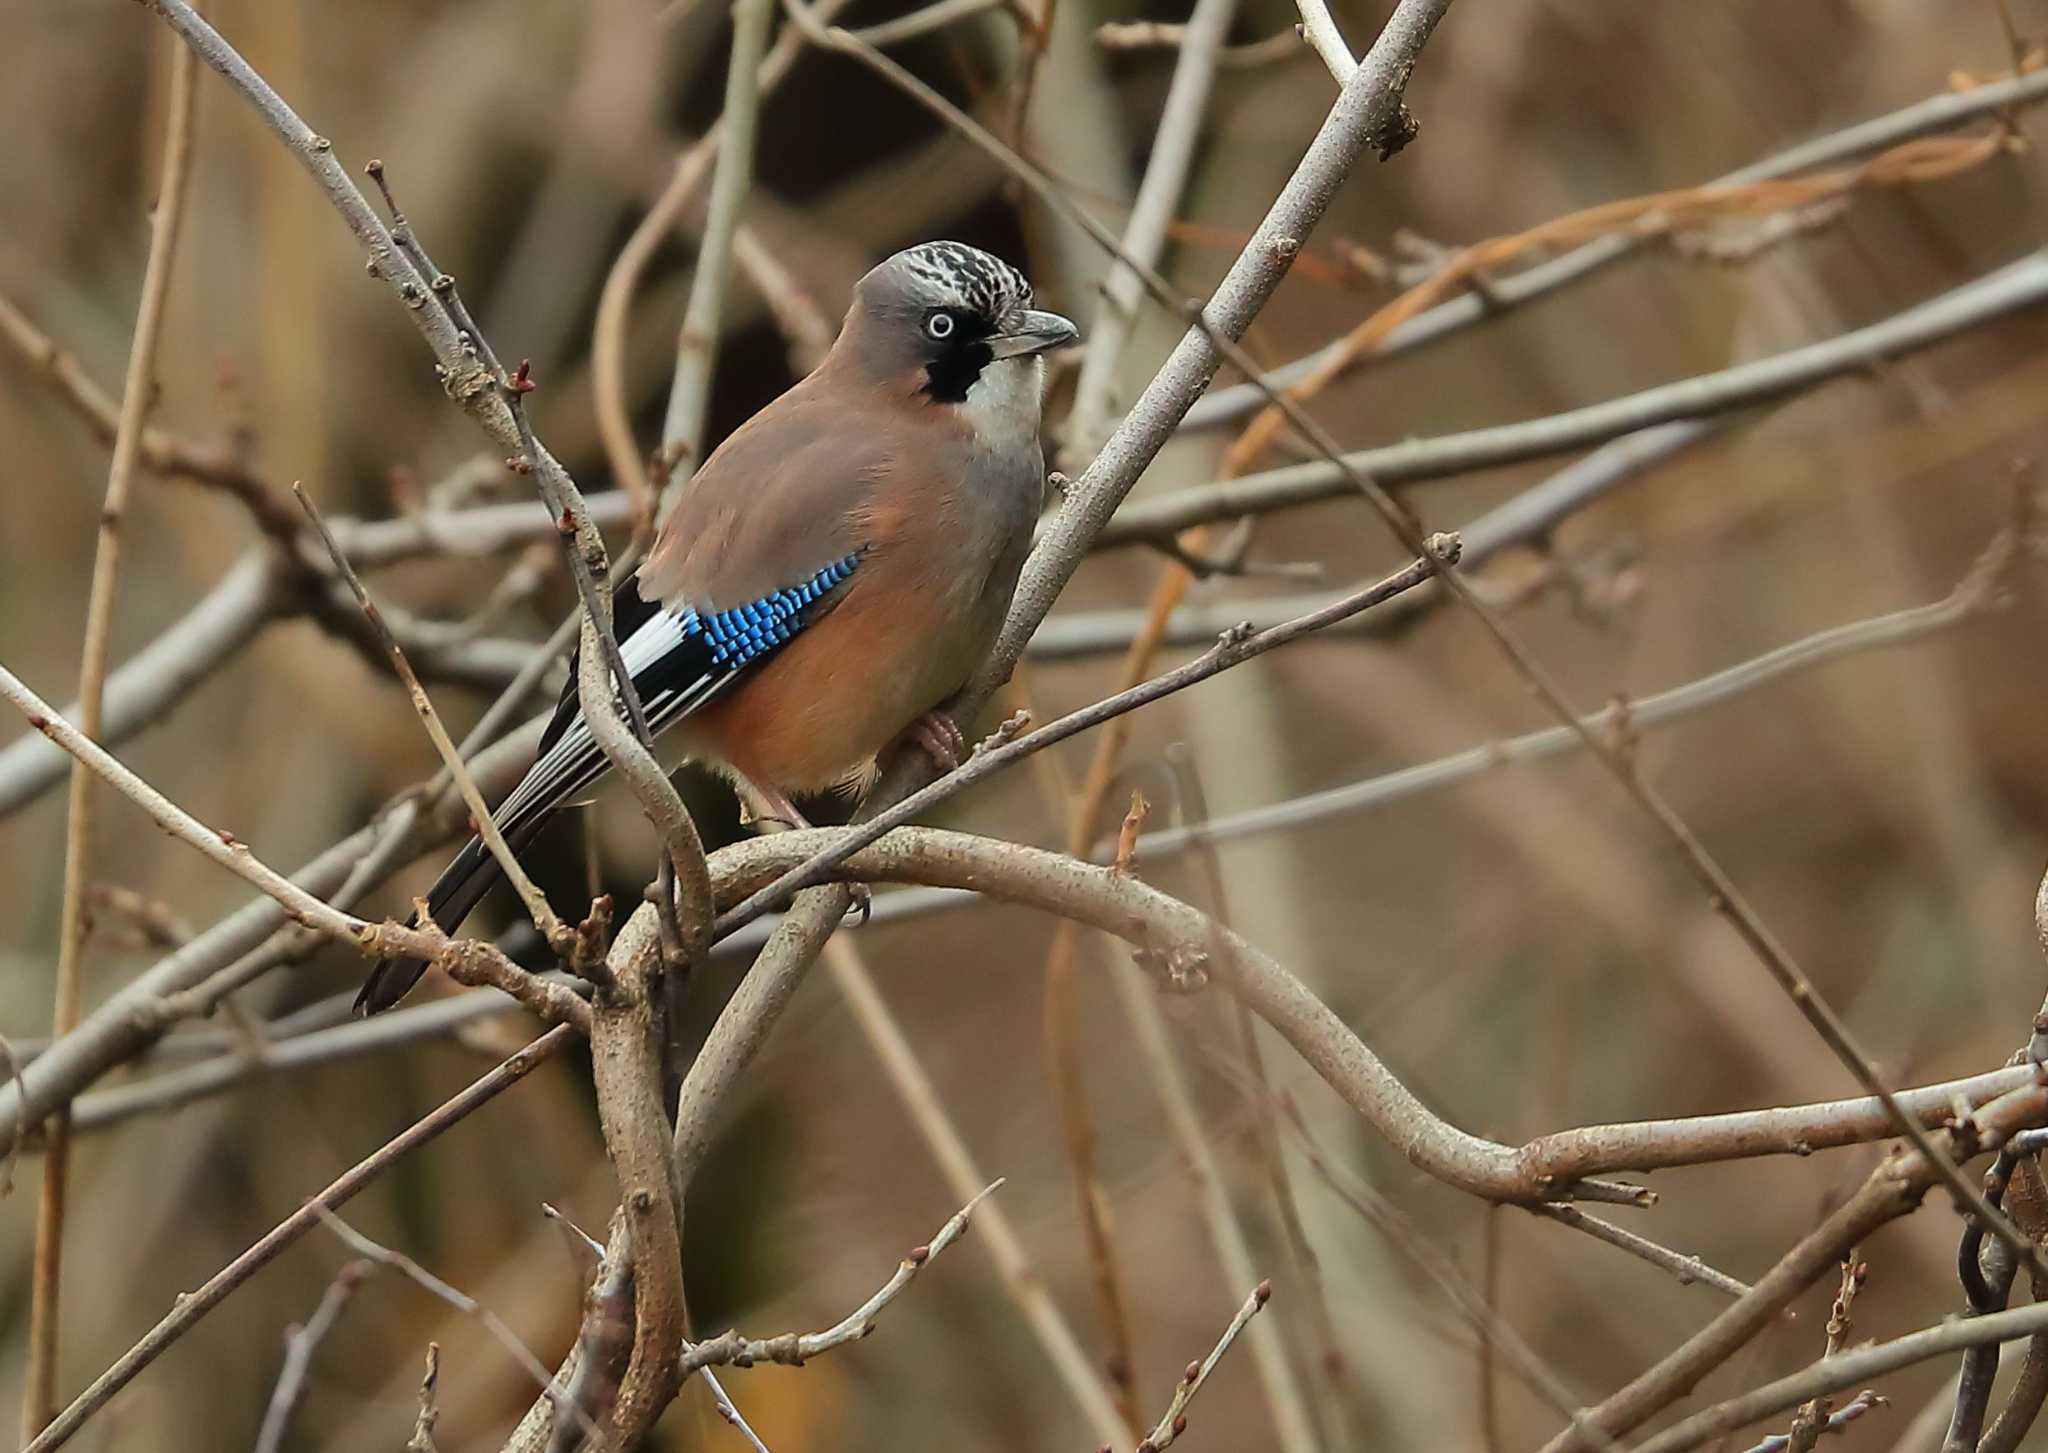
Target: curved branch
1547	1168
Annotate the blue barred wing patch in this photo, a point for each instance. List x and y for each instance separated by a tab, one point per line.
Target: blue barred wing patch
679	660
744	634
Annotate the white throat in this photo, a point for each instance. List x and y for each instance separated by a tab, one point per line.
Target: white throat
1002	404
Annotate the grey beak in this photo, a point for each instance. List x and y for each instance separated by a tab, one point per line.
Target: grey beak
1032	331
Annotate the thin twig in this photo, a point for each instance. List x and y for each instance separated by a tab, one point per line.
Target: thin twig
138	394
300	1344
429	1415
1688	1269
792	1349
1175	1421
729	1410
1838	1421
490	1321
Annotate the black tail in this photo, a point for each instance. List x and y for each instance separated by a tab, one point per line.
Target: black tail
459	889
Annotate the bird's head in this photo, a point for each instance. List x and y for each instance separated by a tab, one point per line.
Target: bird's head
953	323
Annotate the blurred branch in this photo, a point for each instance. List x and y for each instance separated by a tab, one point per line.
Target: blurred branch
1144	237
615	300
804	327
1024	1282
270	585
1348	1424
1660	214
195	1305
1133	35
1984	589
793	1349
138	396
683	444
1528	518
1943	112
2012	289
1494	1334
927	19
204	640
300	1343
1293	1428
160	452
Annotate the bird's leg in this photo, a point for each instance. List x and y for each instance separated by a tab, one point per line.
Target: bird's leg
780	809
764	805
938	735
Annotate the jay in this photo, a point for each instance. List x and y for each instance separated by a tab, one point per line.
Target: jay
837	568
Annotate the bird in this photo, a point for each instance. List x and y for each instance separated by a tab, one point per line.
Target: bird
837	569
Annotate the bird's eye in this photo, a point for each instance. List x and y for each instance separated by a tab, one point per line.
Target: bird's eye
939	325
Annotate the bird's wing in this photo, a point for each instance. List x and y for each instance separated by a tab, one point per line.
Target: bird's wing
679	660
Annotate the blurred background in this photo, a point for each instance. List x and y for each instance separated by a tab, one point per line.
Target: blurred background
1520	947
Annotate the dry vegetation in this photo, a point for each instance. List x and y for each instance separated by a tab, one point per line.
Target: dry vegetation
1682	369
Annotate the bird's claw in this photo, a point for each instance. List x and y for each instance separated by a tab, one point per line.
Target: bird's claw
939	737
863	905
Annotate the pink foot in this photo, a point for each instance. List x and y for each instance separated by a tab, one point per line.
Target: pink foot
940	739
